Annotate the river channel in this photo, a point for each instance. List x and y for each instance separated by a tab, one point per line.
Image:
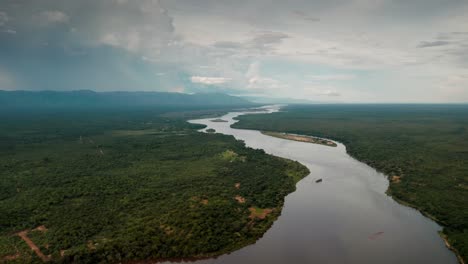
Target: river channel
346	218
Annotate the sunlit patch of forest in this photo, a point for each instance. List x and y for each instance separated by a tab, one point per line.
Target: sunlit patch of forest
115	186
422	148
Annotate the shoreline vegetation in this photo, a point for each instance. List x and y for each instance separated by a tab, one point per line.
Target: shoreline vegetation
380	136
219	120
157	189
443	236
256	214
450	246
300	138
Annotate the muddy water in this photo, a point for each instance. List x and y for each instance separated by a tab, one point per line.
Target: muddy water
347	218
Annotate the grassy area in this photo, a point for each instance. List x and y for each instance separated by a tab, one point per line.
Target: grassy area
422	148
112	187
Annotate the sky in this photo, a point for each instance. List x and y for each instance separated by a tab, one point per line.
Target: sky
322	51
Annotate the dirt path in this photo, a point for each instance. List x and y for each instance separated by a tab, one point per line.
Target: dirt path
239	199
24	236
259	212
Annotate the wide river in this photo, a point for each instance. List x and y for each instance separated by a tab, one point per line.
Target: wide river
347	218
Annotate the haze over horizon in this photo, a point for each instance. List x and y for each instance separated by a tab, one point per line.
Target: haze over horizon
324	51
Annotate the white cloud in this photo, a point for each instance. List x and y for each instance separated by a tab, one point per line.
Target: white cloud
258	43
54	16
3	18
209	80
331	77
258	82
253	71
329	93
111	40
7	82
454	87
264	83
266	39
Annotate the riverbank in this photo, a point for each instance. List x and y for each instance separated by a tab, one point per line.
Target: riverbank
334	209
300	138
304	138
394	141
310	139
449	246
260	220
433	218
161	191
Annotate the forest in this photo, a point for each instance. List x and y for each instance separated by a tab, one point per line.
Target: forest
116	186
423	149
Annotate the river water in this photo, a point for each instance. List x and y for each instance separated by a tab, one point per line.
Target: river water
347	218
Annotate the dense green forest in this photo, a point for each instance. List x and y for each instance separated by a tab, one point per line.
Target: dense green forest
107	186
422	148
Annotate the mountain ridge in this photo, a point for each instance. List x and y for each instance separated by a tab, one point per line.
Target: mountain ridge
21	99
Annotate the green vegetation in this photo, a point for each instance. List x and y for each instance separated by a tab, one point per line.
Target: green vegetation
118	186
422	148
231	156
218	120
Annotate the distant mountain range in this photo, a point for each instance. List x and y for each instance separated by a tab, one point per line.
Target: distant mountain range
90	99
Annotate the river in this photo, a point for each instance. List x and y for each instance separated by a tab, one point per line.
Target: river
347	218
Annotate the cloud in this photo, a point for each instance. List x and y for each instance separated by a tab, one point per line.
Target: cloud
142	27
437	43
3	18
228	45
459	33
266	39
322	91
264	83
305	16
256	81
262	42
330	93
331	77
209	80
54	17
380	41
112	40
7	82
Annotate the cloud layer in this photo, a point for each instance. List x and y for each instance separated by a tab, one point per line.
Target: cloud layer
352	51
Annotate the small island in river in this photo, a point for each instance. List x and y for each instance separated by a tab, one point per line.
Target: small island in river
219	120
301	138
